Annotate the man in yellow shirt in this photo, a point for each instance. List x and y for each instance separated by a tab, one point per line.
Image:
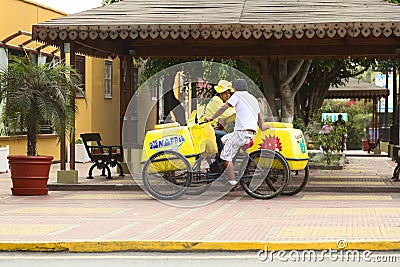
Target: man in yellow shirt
223	93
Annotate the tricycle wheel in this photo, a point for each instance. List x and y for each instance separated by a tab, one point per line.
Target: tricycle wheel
266	173
199	172
167	175
297	181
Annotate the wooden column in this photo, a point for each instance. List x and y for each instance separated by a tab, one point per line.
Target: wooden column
386	122
72	133
124	92
63	154
395	128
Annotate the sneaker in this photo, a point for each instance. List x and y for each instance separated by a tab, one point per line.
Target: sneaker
232	182
228	186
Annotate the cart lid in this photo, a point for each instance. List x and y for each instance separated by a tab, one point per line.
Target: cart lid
279	124
166	125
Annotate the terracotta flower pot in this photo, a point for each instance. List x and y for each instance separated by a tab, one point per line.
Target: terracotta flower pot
29	174
365	145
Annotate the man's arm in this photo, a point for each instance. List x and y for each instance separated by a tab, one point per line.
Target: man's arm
219	112
261	124
260	116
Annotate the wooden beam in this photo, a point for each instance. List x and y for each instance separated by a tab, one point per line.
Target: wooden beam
12	36
241	48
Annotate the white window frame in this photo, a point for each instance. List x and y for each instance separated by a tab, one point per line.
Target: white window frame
108	78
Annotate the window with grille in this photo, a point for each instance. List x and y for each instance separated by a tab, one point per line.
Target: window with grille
107	79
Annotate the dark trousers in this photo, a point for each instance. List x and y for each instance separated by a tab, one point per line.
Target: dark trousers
218	135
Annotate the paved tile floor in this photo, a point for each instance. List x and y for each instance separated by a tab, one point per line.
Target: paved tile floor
133	215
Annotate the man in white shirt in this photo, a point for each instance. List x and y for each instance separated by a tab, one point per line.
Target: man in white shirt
248	117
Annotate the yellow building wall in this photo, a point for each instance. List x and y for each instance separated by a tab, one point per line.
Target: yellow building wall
18	15
100	114
47	145
97	114
83	121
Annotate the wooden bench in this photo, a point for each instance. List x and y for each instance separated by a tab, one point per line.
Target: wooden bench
102	156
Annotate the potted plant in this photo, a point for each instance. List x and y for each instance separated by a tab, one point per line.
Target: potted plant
361	123
33	94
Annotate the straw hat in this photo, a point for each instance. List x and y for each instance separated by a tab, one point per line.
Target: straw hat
223	86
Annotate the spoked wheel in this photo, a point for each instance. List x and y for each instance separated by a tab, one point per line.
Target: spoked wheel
199	173
265	175
297	181
167	175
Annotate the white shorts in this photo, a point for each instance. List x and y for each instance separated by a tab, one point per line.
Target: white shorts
233	142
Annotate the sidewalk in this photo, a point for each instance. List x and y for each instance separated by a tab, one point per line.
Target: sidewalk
100	221
363	172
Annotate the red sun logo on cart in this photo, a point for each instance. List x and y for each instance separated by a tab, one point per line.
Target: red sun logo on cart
271	143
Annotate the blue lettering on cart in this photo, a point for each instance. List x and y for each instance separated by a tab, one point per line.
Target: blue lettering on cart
303	147
168	142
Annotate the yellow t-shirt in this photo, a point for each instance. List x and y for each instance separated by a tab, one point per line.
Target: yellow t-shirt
212	106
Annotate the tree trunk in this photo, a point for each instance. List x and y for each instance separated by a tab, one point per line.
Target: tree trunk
269	86
31	136
292	75
287	100
313	92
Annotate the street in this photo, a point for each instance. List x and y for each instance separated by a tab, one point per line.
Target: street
220	259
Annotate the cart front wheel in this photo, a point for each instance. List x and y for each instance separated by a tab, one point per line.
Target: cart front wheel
266	174
167	175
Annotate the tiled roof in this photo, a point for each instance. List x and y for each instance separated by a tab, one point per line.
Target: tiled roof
357	89
227	19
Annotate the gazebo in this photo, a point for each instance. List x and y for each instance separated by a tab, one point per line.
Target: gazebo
244	28
249	29
356	89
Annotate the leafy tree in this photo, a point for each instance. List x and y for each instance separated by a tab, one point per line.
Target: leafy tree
355	131
323	74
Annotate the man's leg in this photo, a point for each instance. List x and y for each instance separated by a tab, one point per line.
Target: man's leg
230	170
232	143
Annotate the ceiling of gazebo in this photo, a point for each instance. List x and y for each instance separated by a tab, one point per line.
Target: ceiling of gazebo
226	28
357	89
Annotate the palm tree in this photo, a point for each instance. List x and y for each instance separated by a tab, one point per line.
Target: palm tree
361	123
35	93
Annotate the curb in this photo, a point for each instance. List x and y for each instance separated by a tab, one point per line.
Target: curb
348	189
192	246
91	187
137	188
368	155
